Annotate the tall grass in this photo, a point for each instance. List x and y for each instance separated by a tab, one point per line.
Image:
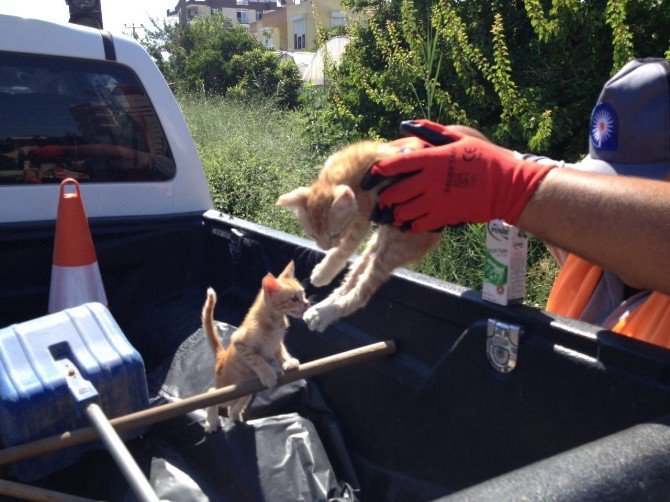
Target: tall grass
253	152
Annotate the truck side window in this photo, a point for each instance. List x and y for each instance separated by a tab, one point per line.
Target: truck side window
90	120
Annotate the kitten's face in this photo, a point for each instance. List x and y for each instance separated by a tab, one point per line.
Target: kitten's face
327	208
324	211
285	293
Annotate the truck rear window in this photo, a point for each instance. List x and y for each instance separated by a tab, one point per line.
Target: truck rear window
83	119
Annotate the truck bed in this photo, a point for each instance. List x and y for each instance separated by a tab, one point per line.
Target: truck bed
584	414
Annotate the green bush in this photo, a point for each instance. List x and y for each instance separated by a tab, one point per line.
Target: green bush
262	72
527	73
213	56
324	129
199	52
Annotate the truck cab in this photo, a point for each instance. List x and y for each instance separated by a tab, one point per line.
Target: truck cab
78	102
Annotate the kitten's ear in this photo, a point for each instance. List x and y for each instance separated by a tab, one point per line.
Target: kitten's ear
270	284
297	199
289	271
344	201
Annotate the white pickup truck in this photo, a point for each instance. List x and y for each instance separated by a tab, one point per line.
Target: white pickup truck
582	414
70	86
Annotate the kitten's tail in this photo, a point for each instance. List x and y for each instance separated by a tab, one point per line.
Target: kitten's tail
208	321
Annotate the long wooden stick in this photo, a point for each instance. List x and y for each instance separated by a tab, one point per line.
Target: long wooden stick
27	492
171	410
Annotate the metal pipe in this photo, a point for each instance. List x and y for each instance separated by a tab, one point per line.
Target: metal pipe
132	472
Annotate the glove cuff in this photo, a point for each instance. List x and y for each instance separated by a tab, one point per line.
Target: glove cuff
525	180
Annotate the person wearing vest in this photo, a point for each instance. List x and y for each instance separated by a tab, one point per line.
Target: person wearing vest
610	212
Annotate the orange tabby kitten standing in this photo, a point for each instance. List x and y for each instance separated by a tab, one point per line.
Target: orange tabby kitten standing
335	211
258	340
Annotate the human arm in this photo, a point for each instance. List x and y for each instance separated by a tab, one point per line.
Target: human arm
620	223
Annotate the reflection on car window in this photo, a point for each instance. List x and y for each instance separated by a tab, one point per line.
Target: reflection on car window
88	120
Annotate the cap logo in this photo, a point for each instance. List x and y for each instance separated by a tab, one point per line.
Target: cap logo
604	127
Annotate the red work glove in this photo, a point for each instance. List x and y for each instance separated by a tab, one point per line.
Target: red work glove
466	181
431	132
410	143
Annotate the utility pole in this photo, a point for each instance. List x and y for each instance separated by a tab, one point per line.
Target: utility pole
133	26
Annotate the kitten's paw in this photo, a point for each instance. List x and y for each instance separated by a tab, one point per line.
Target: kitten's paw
321	315
269	378
319	277
213	421
236	416
212	426
291	364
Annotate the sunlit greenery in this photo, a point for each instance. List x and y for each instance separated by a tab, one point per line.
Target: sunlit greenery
252	153
526	72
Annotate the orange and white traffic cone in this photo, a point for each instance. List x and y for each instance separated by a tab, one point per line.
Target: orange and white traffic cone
75	276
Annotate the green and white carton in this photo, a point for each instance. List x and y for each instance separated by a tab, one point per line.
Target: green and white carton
505	263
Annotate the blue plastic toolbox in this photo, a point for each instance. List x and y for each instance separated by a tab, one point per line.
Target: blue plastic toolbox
51	367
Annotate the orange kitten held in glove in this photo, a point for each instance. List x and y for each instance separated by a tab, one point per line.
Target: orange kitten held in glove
335	211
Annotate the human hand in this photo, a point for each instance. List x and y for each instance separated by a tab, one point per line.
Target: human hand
431	132
468	180
437	134
409	143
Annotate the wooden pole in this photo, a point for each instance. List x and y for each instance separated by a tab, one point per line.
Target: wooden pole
171	410
27	492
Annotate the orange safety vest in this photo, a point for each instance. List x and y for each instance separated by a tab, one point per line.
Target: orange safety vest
574	287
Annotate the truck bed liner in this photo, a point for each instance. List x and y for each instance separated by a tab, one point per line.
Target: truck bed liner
435	419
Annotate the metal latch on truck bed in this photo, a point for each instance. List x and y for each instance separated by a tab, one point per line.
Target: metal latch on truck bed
502	345
235	244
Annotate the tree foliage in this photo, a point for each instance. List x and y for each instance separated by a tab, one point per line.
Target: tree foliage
525	72
262	72
214	56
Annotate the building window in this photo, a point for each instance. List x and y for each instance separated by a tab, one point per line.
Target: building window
266	38
259	15
242	2
336	19
242	17
299	34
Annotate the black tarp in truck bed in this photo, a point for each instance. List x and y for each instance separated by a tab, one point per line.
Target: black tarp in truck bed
582	416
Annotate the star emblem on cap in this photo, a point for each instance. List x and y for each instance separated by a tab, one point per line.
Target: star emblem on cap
604	127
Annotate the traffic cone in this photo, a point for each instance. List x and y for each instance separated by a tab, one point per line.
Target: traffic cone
75	276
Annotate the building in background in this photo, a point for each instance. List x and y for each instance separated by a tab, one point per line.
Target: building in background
287	26
240	11
293	26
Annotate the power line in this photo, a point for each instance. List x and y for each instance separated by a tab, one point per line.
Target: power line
134	27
